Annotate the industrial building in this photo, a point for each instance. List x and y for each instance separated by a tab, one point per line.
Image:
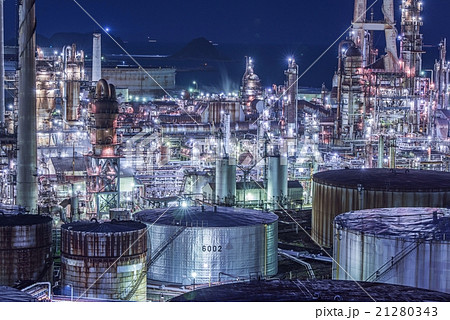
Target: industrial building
117	185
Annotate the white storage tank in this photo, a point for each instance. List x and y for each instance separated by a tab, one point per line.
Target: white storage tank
339	191
208	244
406	246
225	180
277	181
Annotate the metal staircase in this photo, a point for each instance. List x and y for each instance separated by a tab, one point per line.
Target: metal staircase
152	259
42	291
390	264
159	251
136	285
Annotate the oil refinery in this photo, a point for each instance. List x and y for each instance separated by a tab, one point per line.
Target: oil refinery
116	184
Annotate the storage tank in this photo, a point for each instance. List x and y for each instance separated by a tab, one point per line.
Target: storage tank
277	181
407	246
104	260
8	294
225	180
310	291
339	191
25	249
208	244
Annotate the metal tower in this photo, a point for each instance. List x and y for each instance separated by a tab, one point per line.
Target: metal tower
103	162
411	42
361	35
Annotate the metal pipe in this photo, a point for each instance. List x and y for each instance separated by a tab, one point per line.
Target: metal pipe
308	267
27	191
2	67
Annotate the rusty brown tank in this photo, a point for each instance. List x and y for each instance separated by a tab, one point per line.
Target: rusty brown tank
339	191
104	260
25	249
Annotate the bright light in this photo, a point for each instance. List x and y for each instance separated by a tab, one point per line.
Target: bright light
184	205
194	274
107	29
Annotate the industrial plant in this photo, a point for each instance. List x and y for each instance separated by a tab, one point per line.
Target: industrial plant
117	184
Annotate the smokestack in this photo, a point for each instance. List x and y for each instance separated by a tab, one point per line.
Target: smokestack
27	191
96	58
2	67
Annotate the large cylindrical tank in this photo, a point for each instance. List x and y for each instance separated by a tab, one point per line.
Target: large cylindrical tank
25	249
209	244
277	181
407	246
8	294
310	291
225	180
339	191
104	260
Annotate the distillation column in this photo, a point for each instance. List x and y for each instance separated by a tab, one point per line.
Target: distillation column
411	54
291	102
441	76
411	42
27	191
73	75
103	162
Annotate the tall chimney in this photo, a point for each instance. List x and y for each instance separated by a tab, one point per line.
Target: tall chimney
96	58
27	192
2	67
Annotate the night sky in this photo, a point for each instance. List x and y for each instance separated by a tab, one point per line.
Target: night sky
221	21
269	31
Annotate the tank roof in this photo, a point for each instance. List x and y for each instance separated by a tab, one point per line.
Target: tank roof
410	222
311	290
196	217
8	294
386	179
23	219
104	227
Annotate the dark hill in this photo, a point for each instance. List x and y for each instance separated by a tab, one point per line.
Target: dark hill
199	49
